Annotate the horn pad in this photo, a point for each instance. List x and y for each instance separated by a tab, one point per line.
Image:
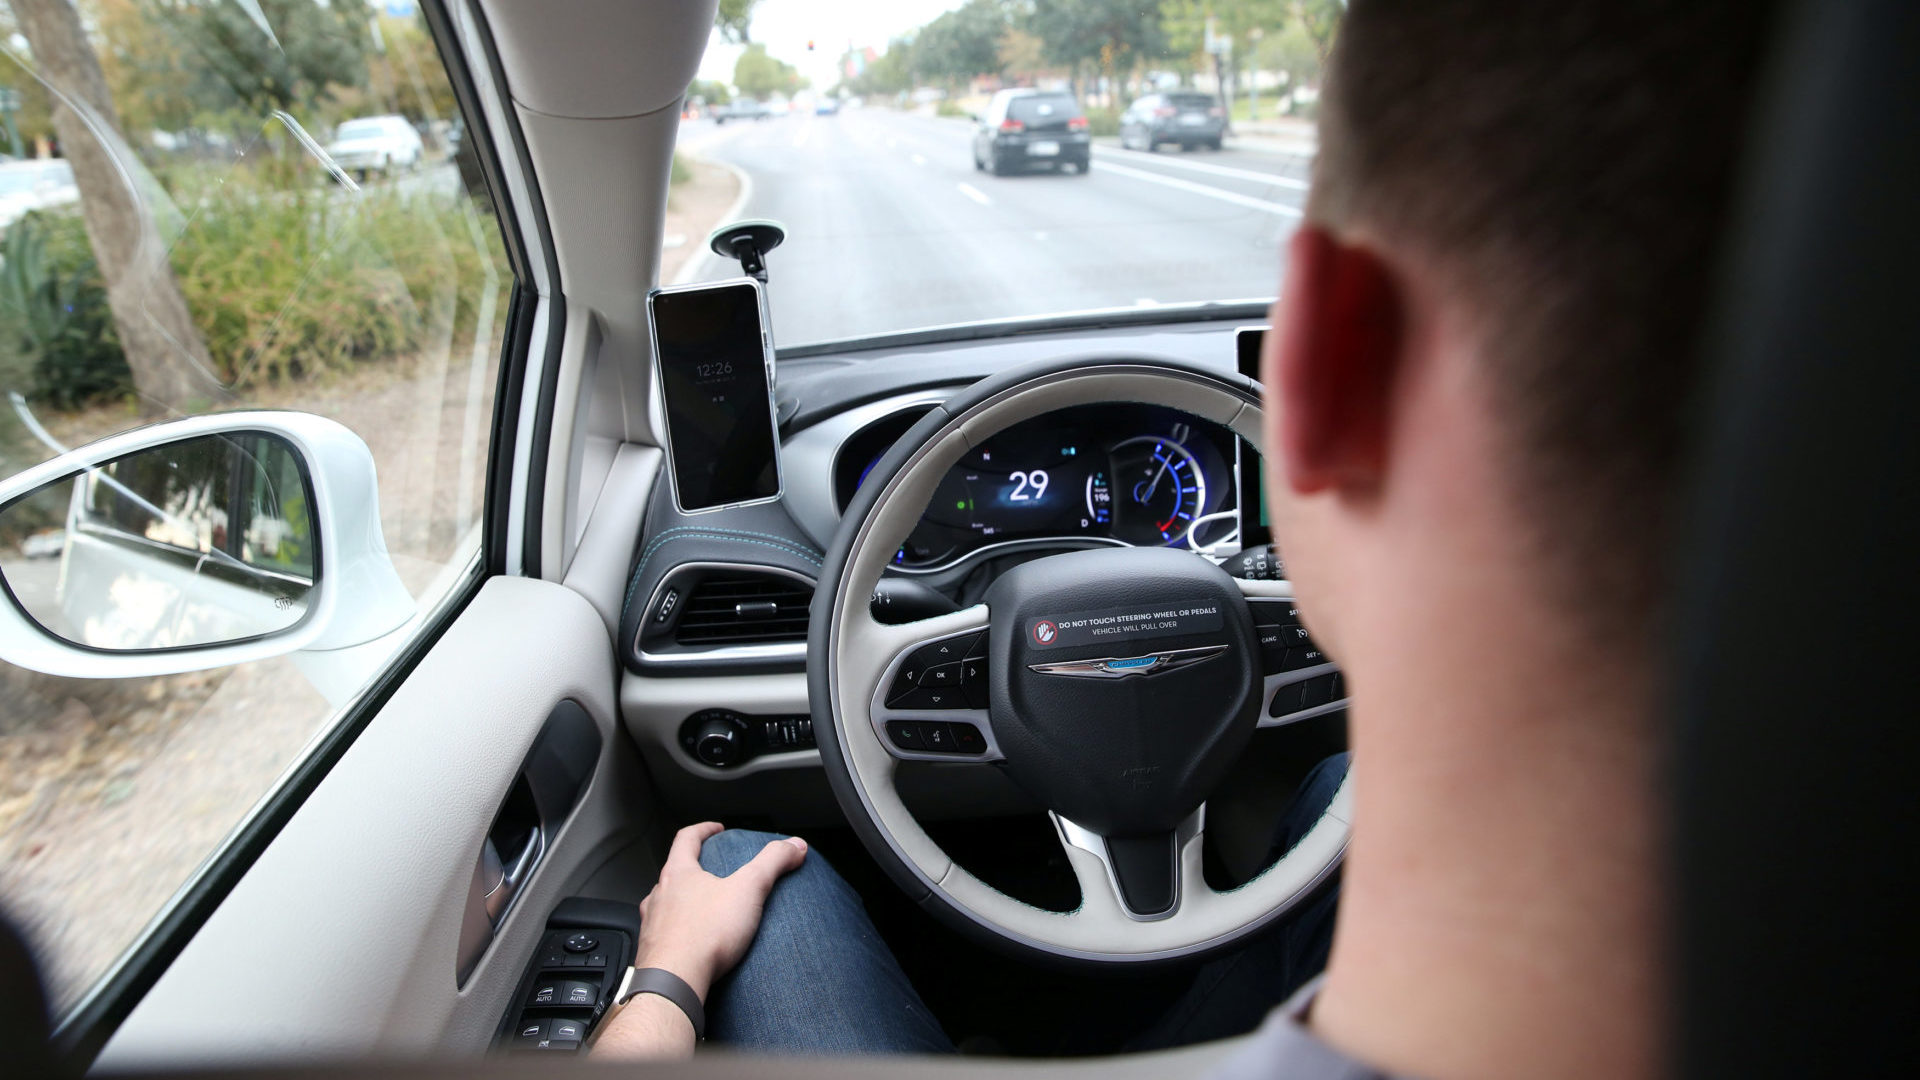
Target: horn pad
1124	683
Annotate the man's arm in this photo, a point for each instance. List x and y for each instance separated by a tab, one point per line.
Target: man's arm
698	927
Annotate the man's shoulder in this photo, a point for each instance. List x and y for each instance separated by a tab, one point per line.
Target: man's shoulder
1283	1049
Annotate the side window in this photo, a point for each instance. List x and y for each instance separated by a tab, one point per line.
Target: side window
207	207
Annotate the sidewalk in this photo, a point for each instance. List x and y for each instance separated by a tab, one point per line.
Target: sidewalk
1277	135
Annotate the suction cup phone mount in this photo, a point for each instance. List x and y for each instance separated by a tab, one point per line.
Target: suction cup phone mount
748	241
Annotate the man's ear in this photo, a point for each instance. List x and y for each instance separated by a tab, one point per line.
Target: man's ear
1331	358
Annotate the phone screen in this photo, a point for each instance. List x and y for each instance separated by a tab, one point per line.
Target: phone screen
721	439
1254	529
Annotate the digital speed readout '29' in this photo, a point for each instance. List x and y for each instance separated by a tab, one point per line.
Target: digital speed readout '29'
716	374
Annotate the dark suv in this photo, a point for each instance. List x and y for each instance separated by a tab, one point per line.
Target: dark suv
1180	116
1025	128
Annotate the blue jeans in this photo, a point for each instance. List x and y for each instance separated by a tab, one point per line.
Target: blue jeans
819	979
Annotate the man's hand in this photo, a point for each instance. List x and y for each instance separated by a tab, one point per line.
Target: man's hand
699	926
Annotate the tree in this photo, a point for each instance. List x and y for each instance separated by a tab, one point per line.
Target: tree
760	76
962	43
711	91
733	18
289	62
1020	54
1116	36
164	350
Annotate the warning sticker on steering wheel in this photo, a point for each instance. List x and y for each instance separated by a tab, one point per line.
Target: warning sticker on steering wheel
1121	625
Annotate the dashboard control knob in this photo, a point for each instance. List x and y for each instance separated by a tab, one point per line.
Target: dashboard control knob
719	741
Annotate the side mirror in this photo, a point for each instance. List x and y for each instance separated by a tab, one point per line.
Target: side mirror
195	544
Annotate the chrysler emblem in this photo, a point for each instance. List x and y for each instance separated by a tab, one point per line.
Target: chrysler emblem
1119	667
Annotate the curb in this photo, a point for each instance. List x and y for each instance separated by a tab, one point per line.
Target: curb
692	269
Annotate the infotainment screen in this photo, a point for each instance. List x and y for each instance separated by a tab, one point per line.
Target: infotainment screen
716	377
1254	529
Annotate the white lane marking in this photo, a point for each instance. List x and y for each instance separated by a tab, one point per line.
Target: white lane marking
1225	170
919	159
974	193
1280	209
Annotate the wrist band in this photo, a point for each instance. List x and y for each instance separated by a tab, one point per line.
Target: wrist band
665	984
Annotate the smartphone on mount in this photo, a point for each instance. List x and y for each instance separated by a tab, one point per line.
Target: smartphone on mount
715	359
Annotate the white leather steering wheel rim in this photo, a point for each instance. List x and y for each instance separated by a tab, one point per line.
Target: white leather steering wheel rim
852	651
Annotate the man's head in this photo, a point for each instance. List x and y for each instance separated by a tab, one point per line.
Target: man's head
1487	339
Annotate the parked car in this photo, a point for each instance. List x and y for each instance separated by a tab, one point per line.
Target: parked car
34	185
1022	129
1181	116
745	109
371	144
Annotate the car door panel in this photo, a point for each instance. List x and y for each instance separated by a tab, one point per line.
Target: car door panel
342	939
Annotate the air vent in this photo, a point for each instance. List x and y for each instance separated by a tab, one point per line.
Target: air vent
745	609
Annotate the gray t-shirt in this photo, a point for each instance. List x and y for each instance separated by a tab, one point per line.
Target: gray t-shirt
1283	1049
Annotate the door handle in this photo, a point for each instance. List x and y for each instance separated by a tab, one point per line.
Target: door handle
516	874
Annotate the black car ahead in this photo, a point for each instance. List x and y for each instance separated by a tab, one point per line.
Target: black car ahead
1180	116
1026	128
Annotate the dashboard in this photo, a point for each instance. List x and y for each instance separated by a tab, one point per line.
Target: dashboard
1124	474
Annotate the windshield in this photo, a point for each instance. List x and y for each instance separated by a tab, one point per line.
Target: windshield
915	194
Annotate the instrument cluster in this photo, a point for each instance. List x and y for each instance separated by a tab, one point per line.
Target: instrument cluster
1136	474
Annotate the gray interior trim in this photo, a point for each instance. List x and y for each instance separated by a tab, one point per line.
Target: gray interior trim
809	457
605	553
341	940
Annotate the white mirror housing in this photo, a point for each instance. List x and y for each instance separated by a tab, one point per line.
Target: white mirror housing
357	597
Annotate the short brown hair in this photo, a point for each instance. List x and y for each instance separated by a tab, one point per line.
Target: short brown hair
1568	164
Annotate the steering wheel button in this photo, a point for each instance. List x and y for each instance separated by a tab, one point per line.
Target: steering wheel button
967	739
939	737
942	675
1285	700
904	683
1316	691
1302	658
905	734
1296	635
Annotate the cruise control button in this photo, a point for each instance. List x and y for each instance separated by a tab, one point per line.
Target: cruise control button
1274	613
1302	658
939	737
942	675
1273	648
1285	700
905	734
1296	635
967	739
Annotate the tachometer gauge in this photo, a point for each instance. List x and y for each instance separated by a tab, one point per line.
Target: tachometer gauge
1158	489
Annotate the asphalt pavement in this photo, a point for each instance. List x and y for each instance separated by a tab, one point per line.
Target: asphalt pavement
890	227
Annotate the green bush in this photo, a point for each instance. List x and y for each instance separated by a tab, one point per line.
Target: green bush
1103	121
284	281
682	172
945	107
55	327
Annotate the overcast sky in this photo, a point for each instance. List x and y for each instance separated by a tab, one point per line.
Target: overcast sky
785	26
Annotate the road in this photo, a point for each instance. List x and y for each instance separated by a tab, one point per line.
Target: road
890	227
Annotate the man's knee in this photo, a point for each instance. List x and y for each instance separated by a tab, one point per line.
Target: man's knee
728	851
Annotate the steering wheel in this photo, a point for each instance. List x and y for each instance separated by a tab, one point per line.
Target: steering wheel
1116	685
